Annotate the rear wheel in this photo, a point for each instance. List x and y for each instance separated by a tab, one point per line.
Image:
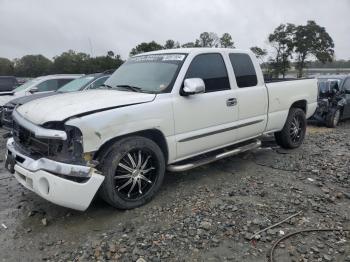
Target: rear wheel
134	170
333	118
293	133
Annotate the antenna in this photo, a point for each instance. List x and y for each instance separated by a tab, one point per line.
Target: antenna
90	43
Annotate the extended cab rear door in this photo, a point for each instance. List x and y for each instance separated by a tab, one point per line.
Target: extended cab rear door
252	96
206	121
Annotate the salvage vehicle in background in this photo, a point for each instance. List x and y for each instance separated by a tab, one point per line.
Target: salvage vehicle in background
91	81
7	83
169	109
40	84
333	99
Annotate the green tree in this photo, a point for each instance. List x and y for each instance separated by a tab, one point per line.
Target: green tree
71	62
103	63
171	44
226	41
145	47
282	40
312	40
207	40
32	66
6	66
259	52
188	45
110	53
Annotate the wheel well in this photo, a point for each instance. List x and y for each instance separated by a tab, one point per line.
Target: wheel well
300	104
153	134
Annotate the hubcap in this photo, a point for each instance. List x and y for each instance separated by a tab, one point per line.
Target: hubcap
135	174
296	129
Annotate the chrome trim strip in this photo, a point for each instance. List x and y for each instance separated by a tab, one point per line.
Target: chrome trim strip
39	131
47	164
220	131
190	165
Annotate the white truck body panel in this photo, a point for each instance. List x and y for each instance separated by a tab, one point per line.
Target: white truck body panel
283	94
88	101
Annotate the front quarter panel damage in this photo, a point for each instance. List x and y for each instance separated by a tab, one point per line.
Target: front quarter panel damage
100	127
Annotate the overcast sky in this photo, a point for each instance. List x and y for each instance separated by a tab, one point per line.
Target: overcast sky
50	27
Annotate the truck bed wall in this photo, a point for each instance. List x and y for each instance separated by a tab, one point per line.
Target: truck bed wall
283	94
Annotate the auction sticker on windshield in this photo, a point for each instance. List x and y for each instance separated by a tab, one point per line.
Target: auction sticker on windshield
158	58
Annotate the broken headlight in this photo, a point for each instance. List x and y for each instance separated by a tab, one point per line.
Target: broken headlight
69	150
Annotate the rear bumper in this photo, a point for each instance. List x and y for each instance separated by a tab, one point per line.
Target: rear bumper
50	186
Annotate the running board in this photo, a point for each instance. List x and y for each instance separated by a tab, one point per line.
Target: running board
196	163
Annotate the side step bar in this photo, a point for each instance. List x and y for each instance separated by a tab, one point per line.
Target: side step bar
210	159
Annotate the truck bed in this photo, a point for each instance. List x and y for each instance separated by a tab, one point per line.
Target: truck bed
283	94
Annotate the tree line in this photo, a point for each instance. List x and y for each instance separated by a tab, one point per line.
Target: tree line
291	44
69	62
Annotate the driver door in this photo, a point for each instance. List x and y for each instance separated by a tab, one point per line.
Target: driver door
205	121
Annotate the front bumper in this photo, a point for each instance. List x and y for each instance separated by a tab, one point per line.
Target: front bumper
38	176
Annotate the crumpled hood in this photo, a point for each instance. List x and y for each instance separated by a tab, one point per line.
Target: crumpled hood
62	106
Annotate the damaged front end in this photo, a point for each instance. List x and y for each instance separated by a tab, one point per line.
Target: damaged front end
52	153
329	100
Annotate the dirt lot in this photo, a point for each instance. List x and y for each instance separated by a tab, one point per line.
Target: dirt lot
207	214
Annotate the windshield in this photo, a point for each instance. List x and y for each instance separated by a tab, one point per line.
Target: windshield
76	84
27	84
148	73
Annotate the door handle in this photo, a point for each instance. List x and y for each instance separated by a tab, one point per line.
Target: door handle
231	102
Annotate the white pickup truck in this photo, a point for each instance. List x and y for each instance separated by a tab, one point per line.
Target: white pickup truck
170	109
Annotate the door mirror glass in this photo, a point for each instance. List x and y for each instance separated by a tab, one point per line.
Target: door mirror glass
33	90
193	86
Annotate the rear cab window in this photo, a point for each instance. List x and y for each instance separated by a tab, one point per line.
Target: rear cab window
211	68
244	70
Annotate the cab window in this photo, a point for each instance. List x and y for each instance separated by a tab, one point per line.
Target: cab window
244	70
211	68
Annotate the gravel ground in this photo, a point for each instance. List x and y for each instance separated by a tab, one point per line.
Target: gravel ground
206	214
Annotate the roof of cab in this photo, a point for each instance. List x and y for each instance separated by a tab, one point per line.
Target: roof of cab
195	50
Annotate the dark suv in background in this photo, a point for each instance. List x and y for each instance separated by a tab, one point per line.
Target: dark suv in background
7	83
333	99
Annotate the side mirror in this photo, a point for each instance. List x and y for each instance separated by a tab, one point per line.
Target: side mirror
33	90
193	86
347	91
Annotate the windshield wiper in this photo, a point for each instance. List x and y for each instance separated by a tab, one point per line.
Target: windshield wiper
132	88
108	86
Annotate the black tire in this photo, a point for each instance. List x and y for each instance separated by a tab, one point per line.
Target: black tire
332	118
113	189
293	133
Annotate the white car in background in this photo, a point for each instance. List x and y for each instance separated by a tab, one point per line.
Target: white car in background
40	84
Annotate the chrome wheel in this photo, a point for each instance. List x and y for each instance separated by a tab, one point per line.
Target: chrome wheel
135	174
296	129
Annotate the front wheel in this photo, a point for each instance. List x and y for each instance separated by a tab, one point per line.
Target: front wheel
293	133
134	170
332	118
